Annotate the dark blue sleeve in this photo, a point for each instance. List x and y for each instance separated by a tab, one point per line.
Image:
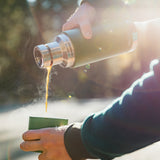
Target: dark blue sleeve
131	123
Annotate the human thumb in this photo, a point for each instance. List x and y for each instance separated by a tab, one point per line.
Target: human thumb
86	30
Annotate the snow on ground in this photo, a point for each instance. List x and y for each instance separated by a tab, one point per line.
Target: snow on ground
14	121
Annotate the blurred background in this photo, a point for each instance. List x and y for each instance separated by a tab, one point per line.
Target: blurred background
26	23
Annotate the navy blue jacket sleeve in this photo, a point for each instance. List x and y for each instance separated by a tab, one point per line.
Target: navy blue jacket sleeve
131	123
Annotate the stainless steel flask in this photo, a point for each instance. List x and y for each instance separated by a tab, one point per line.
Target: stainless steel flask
70	49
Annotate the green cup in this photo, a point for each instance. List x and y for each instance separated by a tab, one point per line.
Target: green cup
42	122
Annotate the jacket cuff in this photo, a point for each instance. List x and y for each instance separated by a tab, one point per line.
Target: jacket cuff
73	143
104	3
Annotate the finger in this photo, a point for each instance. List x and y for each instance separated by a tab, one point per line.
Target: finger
71	24
42	156
31	135
31	146
86	30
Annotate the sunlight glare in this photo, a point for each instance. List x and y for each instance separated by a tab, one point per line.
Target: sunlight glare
31	1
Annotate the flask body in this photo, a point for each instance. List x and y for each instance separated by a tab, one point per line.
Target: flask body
107	41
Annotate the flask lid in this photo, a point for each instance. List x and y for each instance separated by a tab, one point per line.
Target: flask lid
42	56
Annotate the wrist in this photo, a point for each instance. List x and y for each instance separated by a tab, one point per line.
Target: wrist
73	143
60	131
88	5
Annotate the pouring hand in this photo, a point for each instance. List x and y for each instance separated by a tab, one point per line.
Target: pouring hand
82	18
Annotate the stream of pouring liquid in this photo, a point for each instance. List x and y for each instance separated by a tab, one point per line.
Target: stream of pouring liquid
47	84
